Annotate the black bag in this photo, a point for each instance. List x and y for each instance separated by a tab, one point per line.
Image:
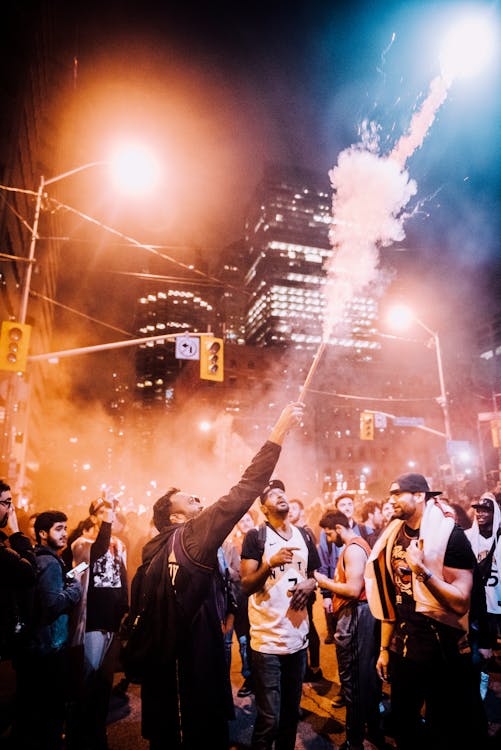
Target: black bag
150	640
134	636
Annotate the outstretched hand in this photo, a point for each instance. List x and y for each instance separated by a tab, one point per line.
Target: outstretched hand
291	416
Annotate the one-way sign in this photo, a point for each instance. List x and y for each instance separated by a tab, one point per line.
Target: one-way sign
187	347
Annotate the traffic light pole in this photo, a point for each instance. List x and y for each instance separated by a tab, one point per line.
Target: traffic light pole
103	347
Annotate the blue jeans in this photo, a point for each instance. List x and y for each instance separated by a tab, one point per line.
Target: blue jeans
278	682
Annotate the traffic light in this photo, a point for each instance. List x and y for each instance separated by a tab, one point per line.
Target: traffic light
366	425
14	346
211	358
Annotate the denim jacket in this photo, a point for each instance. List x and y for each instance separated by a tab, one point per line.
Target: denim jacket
54	598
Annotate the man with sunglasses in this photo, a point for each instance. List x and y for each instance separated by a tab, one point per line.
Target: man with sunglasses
186	691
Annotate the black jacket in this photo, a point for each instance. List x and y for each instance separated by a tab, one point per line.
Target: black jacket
188	693
17	578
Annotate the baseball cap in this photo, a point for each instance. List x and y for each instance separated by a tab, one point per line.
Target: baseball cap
486	502
272	485
413	483
97	504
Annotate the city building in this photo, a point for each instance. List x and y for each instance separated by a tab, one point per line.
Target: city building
30	146
288	249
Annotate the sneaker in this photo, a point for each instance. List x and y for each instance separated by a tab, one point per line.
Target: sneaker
245	690
329	639
313	675
338	701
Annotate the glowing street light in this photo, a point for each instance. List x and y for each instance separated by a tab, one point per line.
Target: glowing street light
125	167
131	167
134	169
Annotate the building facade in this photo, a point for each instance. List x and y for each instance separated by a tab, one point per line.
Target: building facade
287	236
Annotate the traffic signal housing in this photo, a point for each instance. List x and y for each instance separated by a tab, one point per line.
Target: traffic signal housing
14	346
211	358
366	425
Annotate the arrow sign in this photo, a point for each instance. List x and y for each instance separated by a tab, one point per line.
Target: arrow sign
187	347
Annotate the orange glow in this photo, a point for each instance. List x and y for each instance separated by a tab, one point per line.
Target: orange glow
134	169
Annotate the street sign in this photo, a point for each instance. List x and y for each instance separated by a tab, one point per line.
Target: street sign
487	416
379	420
187	347
408	421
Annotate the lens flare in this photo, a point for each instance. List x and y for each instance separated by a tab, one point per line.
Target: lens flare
468	48
399	317
134	169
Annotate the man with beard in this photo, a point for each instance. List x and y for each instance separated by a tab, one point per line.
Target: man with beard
355	632
418	581
485	540
186	690
278	561
42	668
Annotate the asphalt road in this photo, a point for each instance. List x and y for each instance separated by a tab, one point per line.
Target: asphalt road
321	727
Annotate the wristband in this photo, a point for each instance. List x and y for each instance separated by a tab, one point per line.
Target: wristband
424	576
384	648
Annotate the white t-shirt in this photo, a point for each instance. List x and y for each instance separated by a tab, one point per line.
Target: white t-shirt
493	585
275	628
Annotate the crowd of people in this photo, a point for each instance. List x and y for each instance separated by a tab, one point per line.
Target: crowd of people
409	586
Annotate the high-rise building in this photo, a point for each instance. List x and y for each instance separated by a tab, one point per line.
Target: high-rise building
288	245
180	305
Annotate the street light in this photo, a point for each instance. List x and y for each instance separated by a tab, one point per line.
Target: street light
400	317
130	166
125	166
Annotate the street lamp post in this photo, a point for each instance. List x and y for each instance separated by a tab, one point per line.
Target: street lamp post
442	400
34	231
17	389
401	316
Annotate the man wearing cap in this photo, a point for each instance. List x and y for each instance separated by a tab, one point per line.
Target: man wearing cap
277	574
418	582
186	691
484	536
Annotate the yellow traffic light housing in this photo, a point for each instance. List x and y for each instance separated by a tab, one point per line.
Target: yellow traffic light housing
211	358
366	425
14	346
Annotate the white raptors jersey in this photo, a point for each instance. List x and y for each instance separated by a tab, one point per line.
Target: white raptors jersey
275	628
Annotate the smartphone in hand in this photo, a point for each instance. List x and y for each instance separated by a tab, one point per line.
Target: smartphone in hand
71	574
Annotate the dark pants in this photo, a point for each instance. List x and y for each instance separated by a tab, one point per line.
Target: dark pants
454	718
313	639
41	701
360	685
91	692
278	683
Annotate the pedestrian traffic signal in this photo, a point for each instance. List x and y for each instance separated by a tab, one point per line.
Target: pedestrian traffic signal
14	346
211	358
366	425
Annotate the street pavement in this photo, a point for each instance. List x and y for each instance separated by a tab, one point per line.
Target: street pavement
321	726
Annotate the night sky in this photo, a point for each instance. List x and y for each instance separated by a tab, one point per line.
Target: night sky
219	89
